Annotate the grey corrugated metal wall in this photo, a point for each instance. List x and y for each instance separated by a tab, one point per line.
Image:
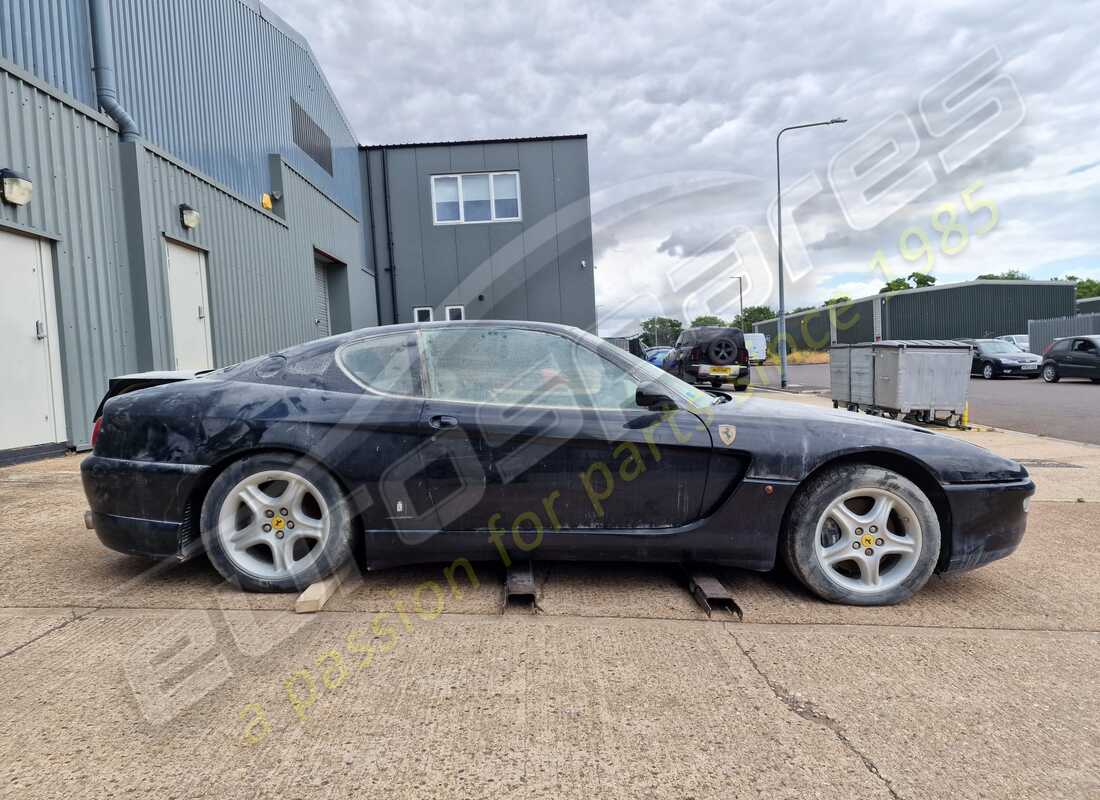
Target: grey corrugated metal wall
50	40
225	72
988	308
207	80
1041	332
71	155
529	269
260	267
811	330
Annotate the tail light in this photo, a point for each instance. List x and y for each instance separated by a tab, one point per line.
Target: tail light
743	356
95	429
1047	348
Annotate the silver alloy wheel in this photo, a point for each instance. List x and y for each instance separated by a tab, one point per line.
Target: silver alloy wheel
273	524
1048	373
868	540
987	372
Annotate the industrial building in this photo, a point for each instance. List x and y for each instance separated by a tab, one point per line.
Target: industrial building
181	189
972	309
494	229
1090	305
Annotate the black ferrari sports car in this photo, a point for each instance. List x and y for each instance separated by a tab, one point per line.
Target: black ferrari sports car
516	440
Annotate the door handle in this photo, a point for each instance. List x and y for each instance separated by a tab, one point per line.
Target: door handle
39	329
443	421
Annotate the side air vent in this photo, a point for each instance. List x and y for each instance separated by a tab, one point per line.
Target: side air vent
309	136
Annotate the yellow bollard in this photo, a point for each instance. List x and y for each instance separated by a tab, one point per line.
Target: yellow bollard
966	414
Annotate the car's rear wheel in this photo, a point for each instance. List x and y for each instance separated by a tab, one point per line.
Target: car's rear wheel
741	386
862	535
274	522
1050	373
716	384
988	371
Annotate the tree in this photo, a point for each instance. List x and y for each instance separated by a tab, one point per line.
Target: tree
707	320
800	309
1086	287
921	279
832	301
896	285
661	330
752	314
1007	275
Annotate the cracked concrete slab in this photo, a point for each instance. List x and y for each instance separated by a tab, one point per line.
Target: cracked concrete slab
947	714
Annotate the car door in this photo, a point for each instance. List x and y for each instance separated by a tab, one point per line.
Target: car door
1074	362
533	431
1089	357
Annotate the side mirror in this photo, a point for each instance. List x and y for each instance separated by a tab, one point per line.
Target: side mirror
653	395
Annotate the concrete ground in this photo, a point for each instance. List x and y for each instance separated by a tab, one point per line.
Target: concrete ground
125	682
1064	410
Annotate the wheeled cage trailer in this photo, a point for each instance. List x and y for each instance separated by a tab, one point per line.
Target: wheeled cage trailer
920	379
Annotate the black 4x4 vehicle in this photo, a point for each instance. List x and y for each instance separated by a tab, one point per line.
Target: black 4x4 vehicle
711	355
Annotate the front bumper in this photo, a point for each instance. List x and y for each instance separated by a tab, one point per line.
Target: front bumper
1019	369
143	507
988	522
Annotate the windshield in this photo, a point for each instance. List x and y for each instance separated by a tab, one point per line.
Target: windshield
999	347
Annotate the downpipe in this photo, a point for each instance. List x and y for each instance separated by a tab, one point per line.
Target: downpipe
103	50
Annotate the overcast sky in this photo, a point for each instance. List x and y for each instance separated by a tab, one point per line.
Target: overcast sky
681	103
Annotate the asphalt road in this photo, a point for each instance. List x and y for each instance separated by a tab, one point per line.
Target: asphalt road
1069	409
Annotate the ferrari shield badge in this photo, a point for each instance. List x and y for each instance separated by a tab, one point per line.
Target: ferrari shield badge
727	433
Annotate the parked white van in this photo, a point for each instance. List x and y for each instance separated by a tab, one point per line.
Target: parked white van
757	345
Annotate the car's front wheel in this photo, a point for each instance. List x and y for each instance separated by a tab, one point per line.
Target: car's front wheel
275	522
862	535
1050	373
987	371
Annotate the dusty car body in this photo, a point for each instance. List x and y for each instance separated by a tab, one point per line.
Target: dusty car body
669	474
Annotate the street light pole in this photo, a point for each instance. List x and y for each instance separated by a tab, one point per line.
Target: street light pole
741	297
781	331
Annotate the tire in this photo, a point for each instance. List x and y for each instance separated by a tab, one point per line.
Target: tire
1050	373
716	384
741	387
988	372
722	351
248	496
834	570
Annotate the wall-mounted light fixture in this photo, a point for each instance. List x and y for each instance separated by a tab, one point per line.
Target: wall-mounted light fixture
189	217
14	188
265	201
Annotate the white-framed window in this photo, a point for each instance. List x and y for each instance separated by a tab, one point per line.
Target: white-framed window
422	314
455	313
475	197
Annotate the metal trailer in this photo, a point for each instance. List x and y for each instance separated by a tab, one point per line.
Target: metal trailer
925	380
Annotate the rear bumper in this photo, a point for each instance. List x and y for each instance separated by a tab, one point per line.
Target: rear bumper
988	522
707	371
142	507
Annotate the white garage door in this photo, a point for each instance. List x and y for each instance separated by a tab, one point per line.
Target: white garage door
189	307
31	405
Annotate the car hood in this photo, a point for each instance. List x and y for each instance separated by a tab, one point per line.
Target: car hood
787	441
1025	357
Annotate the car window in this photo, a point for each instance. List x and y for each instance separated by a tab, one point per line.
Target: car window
1060	347
994	348
384	363
514	366
1084	346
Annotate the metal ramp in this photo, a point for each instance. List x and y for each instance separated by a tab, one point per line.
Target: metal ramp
710	593
519	586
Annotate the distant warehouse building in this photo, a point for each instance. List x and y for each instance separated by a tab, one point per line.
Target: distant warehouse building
973	309
182	190
1090	305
